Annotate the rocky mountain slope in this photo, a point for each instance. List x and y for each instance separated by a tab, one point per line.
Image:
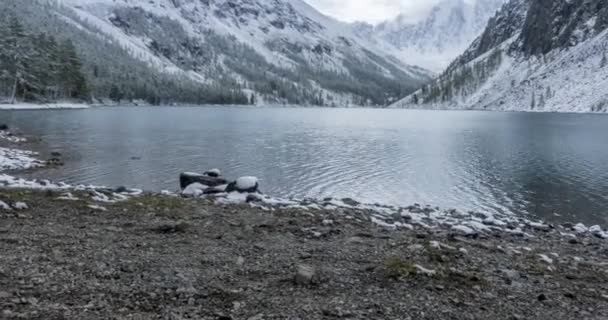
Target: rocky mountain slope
535	55
274	51
436	40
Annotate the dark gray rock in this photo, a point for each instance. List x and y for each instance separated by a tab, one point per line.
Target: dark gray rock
3	127
187	178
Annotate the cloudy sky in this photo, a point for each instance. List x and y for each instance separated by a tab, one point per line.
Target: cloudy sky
372	11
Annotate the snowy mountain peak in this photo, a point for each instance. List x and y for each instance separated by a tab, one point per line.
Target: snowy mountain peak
438	38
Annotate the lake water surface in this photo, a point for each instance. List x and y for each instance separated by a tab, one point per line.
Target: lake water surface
552	166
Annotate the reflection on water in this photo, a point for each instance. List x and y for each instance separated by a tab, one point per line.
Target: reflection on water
553	166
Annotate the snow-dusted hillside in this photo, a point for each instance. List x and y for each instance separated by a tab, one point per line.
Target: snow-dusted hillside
277	50
435	41
534	56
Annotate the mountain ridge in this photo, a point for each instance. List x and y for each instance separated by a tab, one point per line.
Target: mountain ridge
273	51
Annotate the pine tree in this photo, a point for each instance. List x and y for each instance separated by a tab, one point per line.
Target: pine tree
604	61
18	59
73	82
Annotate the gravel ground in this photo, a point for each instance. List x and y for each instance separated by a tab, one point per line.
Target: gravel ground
160	257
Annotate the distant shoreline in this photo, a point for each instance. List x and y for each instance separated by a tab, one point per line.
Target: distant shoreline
44	106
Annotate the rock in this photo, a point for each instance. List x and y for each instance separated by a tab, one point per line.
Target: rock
121	189
188	178
580	228
55	154
214	173
350	202
180	227
596	230
254	198
244	185
304	275
464	230
3	127
20	206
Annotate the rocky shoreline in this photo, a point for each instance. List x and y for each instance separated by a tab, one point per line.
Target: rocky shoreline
223	250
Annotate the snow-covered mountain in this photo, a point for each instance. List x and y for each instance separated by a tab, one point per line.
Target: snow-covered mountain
280	51
535	55
436	40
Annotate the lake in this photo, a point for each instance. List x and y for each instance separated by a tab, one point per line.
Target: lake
551	166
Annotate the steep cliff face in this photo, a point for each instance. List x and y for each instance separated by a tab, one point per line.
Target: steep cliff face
535	55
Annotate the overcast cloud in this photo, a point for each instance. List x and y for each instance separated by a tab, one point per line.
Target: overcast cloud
373	11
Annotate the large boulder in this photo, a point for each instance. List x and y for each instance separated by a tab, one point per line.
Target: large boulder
244	185
188	178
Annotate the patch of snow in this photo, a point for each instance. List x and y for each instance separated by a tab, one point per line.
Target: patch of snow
12	159
424	271
5	135
97	208
545	258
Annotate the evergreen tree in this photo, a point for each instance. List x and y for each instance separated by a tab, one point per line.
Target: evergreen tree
73	82
533	103
604	61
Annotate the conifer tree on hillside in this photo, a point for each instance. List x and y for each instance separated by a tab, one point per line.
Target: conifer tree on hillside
73	83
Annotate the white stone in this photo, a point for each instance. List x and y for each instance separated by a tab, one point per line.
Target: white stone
20	206
580	228
246	183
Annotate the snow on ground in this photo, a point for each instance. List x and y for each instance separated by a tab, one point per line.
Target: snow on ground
5	135
33	106
12	159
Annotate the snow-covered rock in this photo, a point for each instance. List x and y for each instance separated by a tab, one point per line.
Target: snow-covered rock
194	190
580	228
214	173
20	206
244	185
4	206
